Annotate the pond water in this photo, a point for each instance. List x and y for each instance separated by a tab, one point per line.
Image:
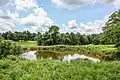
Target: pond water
31	55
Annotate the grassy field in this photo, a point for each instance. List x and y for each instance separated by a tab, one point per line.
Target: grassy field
27	43
46	69
89	47
102	48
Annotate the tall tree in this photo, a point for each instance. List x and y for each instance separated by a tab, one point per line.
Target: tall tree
54	34
112	28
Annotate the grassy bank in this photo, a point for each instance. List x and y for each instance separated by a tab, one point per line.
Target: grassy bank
100	48
45	69
30	44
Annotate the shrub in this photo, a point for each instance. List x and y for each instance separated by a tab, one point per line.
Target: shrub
1	38
9	48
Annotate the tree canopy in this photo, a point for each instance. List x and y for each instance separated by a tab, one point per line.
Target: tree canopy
112	28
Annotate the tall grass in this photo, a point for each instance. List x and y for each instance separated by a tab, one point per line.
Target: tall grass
46	69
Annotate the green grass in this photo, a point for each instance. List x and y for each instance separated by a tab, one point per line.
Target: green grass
100	47
30	44
46	69
89	47
27	43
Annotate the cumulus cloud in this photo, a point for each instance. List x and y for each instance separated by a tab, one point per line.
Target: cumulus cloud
3	2
24	4
38	20
6	26
71	3
117	4
8	20
72	24
94	27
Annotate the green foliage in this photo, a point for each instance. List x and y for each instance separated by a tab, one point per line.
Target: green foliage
9	48
49	38
46	69
19	36
53	37
112	28
100	47
1	38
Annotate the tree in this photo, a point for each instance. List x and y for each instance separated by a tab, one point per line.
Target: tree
1	38
18	36
112	28
54	34
49	38
9	48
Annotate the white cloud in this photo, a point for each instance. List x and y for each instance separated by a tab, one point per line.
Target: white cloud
3	2
38	20
69	3
24	4
94	27
6	26
72	3
117	4
72	24
8	20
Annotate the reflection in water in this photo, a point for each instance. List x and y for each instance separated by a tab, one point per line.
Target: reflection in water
30	55
77	56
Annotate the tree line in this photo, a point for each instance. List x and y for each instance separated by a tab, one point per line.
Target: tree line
52	37
19	36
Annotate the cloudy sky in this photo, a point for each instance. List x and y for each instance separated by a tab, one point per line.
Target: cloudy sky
84	16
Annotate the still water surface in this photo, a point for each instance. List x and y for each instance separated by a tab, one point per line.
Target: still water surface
31	55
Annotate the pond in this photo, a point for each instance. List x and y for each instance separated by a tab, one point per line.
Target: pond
34	55
30	55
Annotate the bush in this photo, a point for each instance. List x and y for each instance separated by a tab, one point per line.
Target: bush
118	44
1	38
9	48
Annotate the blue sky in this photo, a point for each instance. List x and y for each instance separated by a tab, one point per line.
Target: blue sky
84	16
81	14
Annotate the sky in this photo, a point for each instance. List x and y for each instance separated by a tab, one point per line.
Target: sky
83	16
